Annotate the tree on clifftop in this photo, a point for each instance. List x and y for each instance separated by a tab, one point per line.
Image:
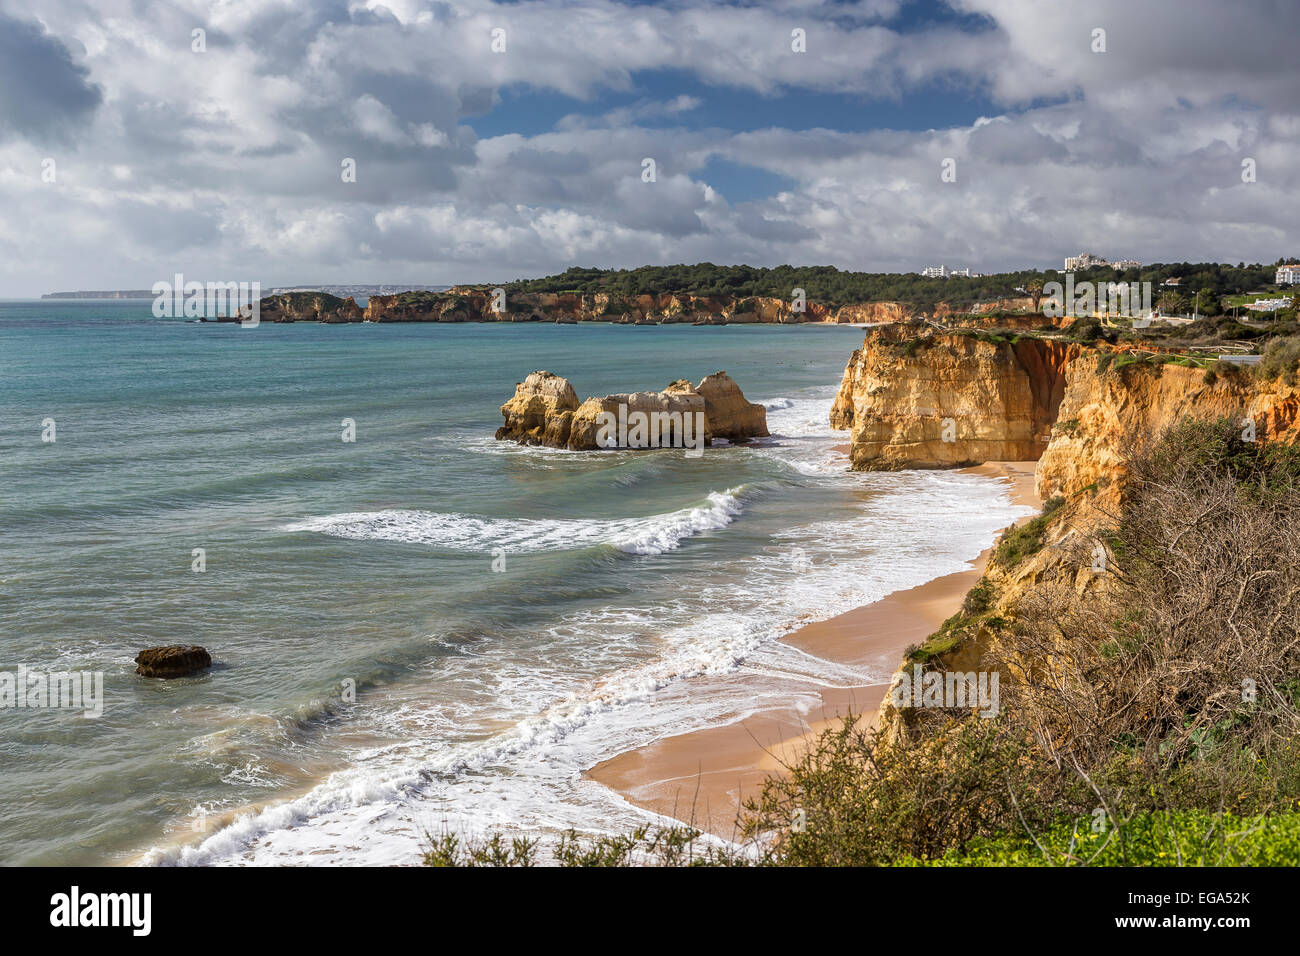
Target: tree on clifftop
1035	289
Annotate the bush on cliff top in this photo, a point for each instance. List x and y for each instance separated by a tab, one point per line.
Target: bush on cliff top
1021	542
1174	687
1281	360
299	301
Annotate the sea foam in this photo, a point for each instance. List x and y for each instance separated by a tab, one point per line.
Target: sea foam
654	534
522	770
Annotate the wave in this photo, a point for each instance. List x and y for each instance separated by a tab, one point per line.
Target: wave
918	526
518	759
354	799
476	533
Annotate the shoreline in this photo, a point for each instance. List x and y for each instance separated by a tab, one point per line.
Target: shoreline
701	777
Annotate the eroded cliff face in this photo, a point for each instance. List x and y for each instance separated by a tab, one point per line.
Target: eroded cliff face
914	398
867	313
1030	399
477	304
871	312
545	411
466	304
1105	416
308	307
1094	415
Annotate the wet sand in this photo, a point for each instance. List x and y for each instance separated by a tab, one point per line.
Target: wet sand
702	777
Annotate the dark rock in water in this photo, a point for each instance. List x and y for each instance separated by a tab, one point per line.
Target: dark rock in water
175	660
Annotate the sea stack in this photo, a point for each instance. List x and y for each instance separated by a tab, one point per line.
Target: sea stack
545	411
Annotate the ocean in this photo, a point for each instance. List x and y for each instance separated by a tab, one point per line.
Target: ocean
422	630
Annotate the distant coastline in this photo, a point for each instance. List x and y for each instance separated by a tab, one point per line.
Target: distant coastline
101	294
362	291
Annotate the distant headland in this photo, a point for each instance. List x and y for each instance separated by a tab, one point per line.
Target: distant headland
361	291
101	294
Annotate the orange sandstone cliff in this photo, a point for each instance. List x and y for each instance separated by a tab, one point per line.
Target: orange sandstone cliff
914	397
480	304
471	304
1075	410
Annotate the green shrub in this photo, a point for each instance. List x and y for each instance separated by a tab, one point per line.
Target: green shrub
1026	540
1086	330
1161	838
1281	360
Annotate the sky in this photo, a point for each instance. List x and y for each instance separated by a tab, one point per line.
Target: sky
501	140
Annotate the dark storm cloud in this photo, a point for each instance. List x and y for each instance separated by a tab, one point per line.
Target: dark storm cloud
43	90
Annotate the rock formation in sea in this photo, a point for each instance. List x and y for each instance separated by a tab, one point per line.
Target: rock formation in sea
729	415
309	307
174	660
545	411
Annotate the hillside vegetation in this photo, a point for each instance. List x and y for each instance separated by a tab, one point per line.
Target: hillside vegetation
834	287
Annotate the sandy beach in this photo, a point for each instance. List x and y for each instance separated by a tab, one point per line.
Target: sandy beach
702	777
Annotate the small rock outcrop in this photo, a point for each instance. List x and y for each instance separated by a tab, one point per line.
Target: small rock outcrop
173	660
545	411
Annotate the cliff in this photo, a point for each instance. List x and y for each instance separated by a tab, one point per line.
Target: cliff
1104	415
309	307
913	397
545	411
471	304
478	304
1080	412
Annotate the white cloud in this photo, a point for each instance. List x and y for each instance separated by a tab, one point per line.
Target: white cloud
230	159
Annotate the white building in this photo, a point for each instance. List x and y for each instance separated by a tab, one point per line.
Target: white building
1288	274
943	272
1086	260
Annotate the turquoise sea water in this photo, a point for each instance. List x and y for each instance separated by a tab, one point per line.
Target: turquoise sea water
480	695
